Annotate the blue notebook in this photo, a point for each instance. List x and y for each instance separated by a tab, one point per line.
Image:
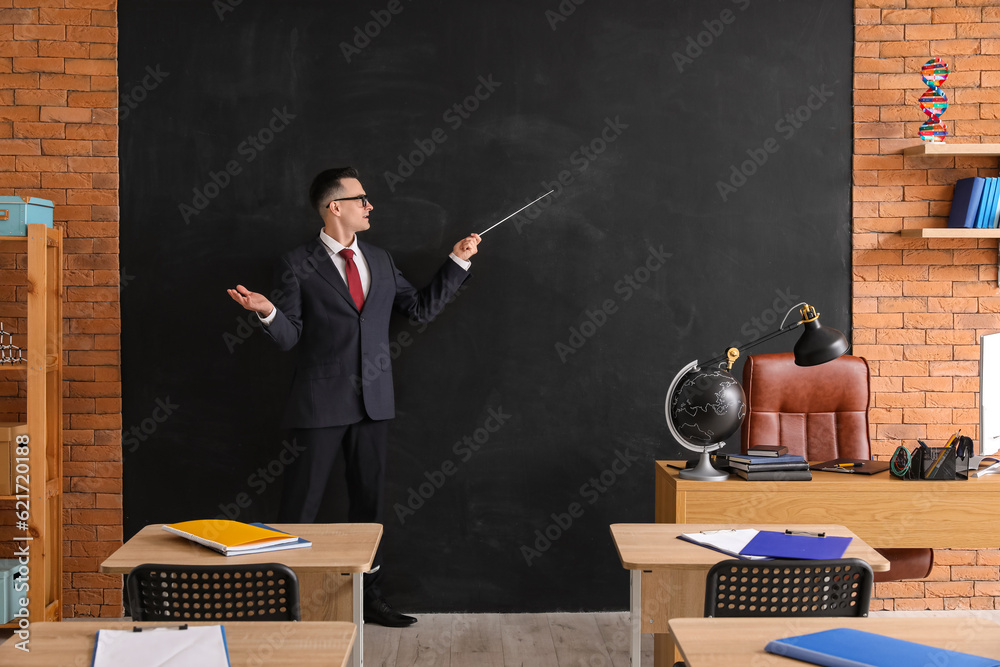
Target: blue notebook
965	203
773	544
844	647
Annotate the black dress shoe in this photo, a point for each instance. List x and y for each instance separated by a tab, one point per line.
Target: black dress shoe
380	612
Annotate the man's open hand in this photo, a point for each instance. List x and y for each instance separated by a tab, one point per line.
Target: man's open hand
258	303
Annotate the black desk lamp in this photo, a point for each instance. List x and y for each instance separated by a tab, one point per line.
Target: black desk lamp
705	404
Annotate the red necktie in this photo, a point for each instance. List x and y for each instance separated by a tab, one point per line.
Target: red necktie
353	278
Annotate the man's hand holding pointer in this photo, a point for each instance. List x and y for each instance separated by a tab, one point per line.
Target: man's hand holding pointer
466	248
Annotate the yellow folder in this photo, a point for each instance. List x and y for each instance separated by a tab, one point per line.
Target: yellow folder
229	537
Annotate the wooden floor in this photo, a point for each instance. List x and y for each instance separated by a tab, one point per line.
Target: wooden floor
505	640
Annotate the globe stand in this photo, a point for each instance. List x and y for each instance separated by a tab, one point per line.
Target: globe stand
704	471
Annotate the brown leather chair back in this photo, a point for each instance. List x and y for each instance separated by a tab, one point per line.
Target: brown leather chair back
820	412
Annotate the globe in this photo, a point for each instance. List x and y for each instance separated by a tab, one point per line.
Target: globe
707	406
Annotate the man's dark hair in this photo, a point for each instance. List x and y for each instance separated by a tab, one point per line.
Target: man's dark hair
326	185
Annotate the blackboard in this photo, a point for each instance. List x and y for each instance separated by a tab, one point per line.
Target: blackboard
701	157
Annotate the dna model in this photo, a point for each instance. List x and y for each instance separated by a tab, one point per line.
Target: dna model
934	102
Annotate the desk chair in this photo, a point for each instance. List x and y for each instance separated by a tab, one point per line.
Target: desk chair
782	588
820	412
261	592
745	588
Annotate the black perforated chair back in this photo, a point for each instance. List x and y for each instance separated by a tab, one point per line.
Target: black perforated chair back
261	592
841	587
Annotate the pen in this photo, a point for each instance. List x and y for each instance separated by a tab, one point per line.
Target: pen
848	465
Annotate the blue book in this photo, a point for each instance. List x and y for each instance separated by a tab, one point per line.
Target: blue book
965	203
991	210
844	647
983	205
772	544
989	202
996	206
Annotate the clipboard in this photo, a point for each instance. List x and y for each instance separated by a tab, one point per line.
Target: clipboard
184	646
772	544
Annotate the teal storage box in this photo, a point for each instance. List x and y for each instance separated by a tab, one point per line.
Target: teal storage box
9	598
16	213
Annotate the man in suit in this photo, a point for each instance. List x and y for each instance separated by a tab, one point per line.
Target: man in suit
335	299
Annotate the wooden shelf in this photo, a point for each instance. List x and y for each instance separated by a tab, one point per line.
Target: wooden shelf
982	150
44	248
951	233
931	149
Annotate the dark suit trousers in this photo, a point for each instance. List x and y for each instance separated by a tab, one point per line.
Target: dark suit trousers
364	445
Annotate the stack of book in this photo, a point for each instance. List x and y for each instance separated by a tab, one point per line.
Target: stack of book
786	467
975	203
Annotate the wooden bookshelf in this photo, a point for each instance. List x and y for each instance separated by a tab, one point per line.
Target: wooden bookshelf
43	247
943	149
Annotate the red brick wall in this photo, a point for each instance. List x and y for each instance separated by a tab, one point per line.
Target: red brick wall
921	305
59	141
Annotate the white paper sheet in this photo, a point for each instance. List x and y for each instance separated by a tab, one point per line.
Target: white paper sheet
197	646
729	542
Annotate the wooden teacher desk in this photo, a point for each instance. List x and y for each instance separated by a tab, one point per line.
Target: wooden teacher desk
883	511
273	643
725	642
329	572
668	574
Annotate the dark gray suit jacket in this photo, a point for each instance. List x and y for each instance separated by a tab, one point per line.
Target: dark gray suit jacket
344	369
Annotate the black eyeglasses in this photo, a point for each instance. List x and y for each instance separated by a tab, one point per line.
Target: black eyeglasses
363	198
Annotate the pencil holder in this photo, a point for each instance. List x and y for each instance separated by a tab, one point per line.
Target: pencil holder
940	463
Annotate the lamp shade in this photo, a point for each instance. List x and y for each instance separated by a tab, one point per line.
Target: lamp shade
818	344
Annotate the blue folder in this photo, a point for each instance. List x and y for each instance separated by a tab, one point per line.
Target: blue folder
844	647
782	545
965	202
